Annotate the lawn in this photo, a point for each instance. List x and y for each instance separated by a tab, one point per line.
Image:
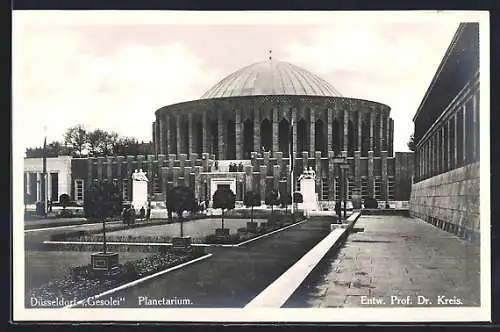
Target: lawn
197	229
42	266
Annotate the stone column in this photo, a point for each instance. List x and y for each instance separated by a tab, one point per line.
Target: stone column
109	168
475	134
160	142
346	129
276	176
99	167
305	160
372	121
381	132
190	134
331	176
263	174
274	115
197	182
187	176
164	189
360	131
167	146
464	135
182	160
256	130
455	141
391	138
220	131
238	136
176	172
371	178
329	126
248	178
388	134
204	143
294	133
383	170
178	133
312	131
443	149
357	173
319	176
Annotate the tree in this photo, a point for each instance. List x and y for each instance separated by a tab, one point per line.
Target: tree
97	141
64	200
101	202
180	199
76	138
252	198
272	199
285	200
224	199
411	143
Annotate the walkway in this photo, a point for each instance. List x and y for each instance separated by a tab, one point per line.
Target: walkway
393	258
233	276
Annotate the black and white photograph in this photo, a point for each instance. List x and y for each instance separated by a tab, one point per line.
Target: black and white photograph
251	166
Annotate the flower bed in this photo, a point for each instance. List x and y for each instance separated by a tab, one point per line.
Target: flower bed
83	282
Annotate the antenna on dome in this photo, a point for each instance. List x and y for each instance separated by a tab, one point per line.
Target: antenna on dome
270	57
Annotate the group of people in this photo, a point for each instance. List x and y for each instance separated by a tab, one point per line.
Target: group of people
129	215
235	168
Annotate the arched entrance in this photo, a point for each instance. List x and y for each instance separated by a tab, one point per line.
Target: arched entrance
247	138
266	134
336	138
231	140
365	139
302	136
198	137
350	139
320	141
284	137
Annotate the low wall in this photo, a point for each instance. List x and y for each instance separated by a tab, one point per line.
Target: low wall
450	201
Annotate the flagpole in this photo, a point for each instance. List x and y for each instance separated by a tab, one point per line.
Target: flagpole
291	159
44	172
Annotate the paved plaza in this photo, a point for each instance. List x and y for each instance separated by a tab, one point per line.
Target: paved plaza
392	262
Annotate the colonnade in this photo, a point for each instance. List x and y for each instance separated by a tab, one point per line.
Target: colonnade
234	133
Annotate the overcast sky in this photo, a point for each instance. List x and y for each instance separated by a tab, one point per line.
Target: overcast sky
115	76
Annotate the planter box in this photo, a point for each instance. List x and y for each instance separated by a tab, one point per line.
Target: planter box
222	233
251	227
181	243
104	261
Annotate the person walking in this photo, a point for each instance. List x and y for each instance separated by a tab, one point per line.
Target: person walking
338	211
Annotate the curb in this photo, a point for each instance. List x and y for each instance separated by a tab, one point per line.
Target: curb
279	291
163	244
138	281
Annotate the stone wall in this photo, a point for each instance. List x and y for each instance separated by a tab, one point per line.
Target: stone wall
450	201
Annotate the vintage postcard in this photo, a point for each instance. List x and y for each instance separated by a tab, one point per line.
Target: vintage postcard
251	166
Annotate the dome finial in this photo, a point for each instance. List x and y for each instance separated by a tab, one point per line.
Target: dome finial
270	57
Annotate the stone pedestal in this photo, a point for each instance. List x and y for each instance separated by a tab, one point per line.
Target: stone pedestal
181	243
139	190
104	261
308	191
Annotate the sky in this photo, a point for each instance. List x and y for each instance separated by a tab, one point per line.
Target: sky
115	75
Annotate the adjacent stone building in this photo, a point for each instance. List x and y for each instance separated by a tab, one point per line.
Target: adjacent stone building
255	117
446	188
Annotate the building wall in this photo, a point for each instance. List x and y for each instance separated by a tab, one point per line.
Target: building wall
60	165
450	201
447	131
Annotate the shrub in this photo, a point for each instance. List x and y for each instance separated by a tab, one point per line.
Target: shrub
370	203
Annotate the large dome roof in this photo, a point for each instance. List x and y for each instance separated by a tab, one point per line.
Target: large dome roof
271	78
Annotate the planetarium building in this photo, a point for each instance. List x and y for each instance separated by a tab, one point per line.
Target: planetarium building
263	118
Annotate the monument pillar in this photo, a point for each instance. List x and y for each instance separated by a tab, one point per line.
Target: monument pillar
139	190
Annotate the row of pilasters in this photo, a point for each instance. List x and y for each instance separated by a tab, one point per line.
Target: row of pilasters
170	135
453	144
